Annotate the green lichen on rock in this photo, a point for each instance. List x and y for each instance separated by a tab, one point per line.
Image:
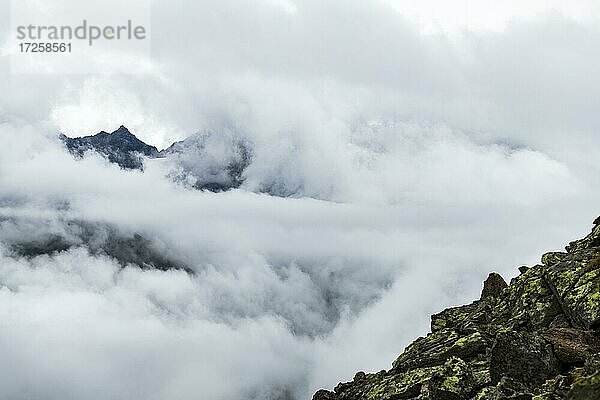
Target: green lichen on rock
451	380
463	318
585	388
575	281
528	301
553	257
536	338
524	357
436	348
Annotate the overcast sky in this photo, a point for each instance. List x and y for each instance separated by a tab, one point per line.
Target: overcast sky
428	143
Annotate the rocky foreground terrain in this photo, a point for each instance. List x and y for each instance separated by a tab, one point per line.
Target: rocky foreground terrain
537	338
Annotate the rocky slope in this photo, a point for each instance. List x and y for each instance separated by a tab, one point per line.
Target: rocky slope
537	338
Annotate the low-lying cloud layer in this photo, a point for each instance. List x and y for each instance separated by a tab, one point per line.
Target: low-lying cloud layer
286	294
414	163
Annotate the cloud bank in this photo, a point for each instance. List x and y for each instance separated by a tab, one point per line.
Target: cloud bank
414	162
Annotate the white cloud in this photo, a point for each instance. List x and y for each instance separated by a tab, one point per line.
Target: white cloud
417	164
461	16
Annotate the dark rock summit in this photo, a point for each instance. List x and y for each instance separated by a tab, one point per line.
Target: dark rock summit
537	338
493	286
120	147
205	161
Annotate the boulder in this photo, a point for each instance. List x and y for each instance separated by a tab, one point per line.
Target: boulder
436	348
575	282
493	286
572	346
523	357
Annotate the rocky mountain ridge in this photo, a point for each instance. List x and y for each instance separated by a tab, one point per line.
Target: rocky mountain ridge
205	161
537	338
28	238
120	147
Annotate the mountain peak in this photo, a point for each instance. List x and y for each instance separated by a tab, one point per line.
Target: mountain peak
123	129
121	147
216	173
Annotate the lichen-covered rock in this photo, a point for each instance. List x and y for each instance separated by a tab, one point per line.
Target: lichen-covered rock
493	286
553	257
590	241
463	319
436	348
537	338
528	302
454	381
324	395
587	388
560	321
506	389
572	346
555	388
592	364
575	281
524	357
